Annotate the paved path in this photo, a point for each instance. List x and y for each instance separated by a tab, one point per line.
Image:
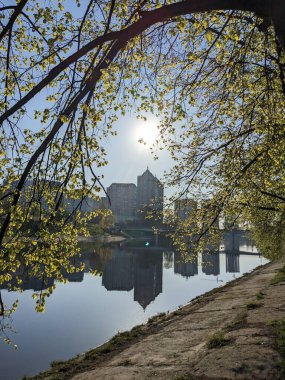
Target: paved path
243	312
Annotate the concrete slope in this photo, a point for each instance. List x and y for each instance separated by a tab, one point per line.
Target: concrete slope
227	334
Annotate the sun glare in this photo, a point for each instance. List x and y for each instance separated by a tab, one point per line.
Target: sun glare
147	132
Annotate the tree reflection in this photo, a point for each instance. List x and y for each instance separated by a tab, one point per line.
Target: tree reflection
38	275
6	322
168	259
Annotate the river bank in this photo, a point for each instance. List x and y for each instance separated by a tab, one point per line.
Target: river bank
233	332
106	239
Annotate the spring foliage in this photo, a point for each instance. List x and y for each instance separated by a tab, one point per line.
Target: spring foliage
212	73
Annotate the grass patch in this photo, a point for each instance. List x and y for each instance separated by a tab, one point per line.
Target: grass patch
156	318
126	363
107	347
217	340
125	336
239	321
56	363
183	377
260	295
253	305
279	277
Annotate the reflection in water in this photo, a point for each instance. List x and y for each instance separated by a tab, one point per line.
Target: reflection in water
23	280
232	262
139	270
75	277
118	271
168	259
186	266
211	263
137	282
148	277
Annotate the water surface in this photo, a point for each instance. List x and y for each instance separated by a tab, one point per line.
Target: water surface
138	280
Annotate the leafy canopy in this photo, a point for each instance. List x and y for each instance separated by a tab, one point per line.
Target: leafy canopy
212	72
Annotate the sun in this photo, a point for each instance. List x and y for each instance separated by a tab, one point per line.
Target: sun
147	132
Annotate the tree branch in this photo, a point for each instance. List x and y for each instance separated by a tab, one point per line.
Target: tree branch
148	18
15	14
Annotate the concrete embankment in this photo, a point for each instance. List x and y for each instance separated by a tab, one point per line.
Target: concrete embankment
233	332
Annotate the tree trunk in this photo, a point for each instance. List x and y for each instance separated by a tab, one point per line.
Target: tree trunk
278	19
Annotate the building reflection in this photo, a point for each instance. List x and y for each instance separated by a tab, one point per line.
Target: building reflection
34	283
118	272
74	277
147	277
232	262
24	280
233	243
185	266
211	263
138	268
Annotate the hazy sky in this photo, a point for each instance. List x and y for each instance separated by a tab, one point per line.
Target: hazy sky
127	157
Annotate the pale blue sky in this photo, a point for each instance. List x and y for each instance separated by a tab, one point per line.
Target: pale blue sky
127	157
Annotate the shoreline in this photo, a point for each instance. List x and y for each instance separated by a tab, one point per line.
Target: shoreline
237	320
105	239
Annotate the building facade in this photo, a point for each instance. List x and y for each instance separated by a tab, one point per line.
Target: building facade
123	198
183	208
149	195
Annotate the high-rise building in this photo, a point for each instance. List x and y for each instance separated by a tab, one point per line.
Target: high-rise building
123	197
184	207
231	241
149	195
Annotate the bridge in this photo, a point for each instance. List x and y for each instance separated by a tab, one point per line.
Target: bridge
235	241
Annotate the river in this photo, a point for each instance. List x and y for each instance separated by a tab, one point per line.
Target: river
133	282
